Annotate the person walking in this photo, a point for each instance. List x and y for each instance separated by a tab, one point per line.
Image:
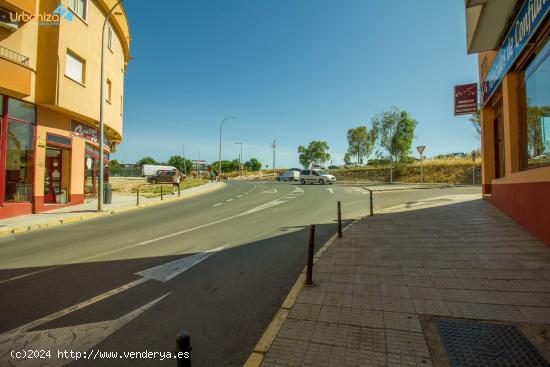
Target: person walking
176	179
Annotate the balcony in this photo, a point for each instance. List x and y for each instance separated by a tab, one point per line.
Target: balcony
15	73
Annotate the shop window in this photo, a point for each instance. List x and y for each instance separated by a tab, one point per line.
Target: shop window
536	129
21	110
74	67
19	161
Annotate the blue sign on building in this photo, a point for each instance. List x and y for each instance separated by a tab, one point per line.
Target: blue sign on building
524	26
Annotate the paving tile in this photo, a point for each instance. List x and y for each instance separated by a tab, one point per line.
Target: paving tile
297	329
395	360
285	353
395	291
367	318
332	314
430	307
537	314
406	343
305	311
401	321
424	293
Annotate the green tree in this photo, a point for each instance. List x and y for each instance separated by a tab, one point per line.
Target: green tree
113	164
361	141
253	165
146	160
316	152
347	158
182	164
475	119
396	132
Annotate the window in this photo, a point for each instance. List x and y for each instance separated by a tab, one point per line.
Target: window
537	90
19	161
80	7
20	110
109	90
110	38
74	67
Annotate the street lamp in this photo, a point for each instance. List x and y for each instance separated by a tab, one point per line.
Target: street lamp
240	160
101	123
220	155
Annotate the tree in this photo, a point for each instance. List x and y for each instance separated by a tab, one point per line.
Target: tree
347	158
182	164
475	119
253	165
316	152
361	142
113	164
396	132
146	160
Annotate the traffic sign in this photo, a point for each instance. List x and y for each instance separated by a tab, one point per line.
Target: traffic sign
420	149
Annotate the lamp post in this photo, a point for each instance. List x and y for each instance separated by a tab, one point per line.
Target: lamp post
241	160
101	122
220	155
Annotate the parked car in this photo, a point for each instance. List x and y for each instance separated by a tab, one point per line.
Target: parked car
151	169
162	176
289	176
313	176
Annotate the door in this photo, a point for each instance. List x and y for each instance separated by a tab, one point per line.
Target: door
52	175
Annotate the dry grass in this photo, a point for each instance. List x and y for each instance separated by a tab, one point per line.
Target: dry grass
450	171
127	186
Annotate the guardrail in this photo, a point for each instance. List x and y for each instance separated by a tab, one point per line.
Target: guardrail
14	56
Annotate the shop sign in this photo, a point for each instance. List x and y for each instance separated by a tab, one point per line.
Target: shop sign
522	29
87	132
465	99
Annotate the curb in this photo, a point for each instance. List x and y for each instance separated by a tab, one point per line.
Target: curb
257	356
85	217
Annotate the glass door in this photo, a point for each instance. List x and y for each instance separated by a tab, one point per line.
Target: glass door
52	175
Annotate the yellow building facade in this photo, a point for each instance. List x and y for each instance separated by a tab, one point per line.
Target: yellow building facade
50	58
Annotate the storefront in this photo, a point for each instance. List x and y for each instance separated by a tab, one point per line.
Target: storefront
17	134
91	170
515	114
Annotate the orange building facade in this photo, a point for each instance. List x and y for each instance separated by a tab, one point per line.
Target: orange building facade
50	55
512	39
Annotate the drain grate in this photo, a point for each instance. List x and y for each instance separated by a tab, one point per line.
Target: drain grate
472	343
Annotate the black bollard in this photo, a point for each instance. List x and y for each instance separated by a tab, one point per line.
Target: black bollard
371	208
161	197
183	349
137	196
311	246
339	220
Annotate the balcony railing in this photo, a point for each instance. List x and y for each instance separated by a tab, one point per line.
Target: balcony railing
14	56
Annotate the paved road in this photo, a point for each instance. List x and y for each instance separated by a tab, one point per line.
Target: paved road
217	265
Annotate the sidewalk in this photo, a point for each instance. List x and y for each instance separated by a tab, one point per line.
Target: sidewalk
88	210
381	291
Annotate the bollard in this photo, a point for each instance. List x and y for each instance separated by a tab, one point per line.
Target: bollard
371	208
339	220
311	246
161	197
137	197
183	346
179	190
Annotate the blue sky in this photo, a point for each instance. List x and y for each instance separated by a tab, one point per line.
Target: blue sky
293	70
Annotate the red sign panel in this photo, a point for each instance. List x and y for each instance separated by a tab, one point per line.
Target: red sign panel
465	99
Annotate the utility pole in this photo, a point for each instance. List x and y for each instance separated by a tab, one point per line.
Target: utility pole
274	146
241	160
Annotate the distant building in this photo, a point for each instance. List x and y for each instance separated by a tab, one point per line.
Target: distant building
49	100
512	39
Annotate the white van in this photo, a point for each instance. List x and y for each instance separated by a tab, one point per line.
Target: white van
289	176
316	176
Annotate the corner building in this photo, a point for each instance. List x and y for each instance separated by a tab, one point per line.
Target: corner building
50	54
512	39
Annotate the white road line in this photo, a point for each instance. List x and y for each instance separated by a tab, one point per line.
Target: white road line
239	196
229	200
28	274
218	204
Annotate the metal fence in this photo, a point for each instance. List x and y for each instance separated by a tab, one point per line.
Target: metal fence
125	172
15	56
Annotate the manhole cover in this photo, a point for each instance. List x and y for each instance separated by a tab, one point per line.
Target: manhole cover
472	343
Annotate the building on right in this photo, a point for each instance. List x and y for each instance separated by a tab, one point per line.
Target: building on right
512	40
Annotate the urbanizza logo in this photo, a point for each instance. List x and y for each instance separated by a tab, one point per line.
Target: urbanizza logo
53	18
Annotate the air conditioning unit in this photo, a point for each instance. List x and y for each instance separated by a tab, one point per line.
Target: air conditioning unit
6	22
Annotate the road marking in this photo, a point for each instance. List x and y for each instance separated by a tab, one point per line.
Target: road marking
28	274
229	200
272	191
165	272
282	199
240	196
218	204
79	338
331	190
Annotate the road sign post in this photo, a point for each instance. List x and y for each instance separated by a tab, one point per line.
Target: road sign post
420	149
311	246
